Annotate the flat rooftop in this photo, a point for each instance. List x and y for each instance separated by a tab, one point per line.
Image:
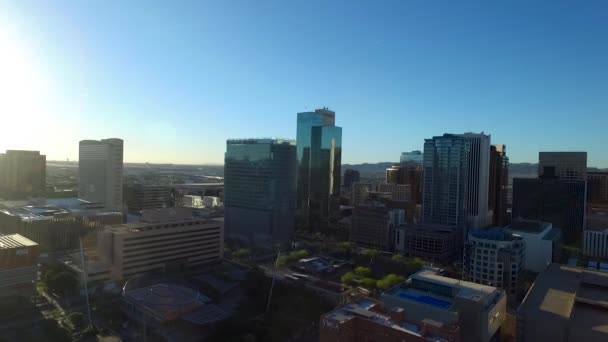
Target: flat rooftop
15	241
566	303
494	234
409	291
363	309
528	226
465	289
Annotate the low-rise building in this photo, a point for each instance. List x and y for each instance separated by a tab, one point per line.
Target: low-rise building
192	201
433	242
543	242
595	235
165	239
399	192
365	320
57	224
479	310
18	264
565	303
494	257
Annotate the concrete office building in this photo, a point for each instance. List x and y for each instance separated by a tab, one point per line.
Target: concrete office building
595	235
165	240
18	265
434	242
565	304
564	165
373	225
350	177
494	257
409	173
399	192
499	184
543	242
148	196
456	180
100	171
319	159
191	201
22	174
597	187
260	189
550	199
366	320
479	310
411	157
360	193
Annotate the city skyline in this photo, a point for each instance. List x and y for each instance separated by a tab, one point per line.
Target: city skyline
175	82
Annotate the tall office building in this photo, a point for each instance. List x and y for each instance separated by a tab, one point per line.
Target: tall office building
360	193
22	174
350	177
260	189
456	180
597	187
499	183
413	156
550	199
564	165
409	173
100	172
319	155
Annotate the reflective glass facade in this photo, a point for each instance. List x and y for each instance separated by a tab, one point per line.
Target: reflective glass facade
260	189
319	153
445	163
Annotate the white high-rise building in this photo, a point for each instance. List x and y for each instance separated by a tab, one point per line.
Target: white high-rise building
100	172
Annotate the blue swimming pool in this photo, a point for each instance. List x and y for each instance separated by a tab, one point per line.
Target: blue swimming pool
426	300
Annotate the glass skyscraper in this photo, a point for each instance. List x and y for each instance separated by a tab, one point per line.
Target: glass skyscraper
319	153
260	189
456	180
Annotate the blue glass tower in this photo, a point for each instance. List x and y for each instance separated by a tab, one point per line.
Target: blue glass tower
260	189
319	153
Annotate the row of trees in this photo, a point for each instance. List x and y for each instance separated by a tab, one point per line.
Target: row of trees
364	277
60	282
293	257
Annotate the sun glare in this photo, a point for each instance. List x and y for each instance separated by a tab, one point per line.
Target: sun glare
22	93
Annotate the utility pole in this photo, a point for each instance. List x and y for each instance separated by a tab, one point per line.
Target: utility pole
86	281
276	265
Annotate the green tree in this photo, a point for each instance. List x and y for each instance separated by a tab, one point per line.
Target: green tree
397	258
372	254
62	282
297	255
389	281
242	253
53	332
348	278
76	320
363	272
345	247
369	283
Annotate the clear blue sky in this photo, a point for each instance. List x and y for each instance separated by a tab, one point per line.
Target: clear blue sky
175	79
